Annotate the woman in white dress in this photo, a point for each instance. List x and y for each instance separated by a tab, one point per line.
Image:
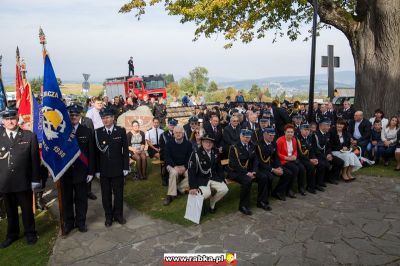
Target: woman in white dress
340	145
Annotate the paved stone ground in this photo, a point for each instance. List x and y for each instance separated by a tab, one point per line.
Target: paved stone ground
353	224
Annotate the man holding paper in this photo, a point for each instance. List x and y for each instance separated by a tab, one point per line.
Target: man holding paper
203	173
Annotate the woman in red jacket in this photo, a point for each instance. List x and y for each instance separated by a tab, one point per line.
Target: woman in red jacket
287	153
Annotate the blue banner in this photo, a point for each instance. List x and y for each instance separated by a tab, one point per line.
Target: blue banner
60	147
3	97
37	115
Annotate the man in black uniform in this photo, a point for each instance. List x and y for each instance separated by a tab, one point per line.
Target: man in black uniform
19	175
164	138
131	67
347	112
306	155
112	164
203	173
231	133
269	164
330	165
160	111
242	168
214	130
81	172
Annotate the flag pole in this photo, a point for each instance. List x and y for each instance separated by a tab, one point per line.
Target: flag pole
42	38
1	80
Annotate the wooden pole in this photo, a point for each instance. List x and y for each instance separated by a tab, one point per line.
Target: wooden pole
60	206
33	202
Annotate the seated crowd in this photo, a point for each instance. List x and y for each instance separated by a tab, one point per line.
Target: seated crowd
240	142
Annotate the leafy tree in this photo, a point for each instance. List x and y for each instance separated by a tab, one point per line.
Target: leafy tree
169	78
254	93
212	87
187	85
199	77
173	89
36	85
371	27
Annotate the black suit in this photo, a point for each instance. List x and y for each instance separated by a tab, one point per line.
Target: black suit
329	170
253	127
267	159
281	118
242	161
112	158
347	115
231	136
365	131
19	167
335	140
74	180
216	135
188	131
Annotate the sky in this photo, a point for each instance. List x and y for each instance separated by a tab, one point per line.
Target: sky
86	36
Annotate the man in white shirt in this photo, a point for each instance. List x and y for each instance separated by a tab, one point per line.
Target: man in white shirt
94	113
153	139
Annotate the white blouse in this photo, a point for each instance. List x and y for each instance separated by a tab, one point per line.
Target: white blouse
289	148
389	134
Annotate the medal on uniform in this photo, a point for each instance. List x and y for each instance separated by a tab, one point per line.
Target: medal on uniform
104	142
3	149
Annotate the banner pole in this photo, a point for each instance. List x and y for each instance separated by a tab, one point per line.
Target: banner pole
60	206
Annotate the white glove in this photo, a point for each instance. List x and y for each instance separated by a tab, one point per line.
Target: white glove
89	178
125	172
169	167
35	185
97	175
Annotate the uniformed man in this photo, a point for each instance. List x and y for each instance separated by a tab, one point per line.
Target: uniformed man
242	168
160	111
112	164
270	165
81	172
203	173
347	112
306	155
330	164
19	175
164	138
231	133
131	67
297	120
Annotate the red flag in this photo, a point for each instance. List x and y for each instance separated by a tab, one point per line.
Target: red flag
25	107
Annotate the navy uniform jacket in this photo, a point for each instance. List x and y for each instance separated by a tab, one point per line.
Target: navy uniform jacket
267	157
19	161
81	168
321	144
203	170
305	148
112	152
242	161
346	114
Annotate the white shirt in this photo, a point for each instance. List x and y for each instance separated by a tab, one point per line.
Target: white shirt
14	132
289	147
357	133
152	136
94	114
384	121
109	129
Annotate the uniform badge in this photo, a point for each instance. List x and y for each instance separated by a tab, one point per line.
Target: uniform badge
3	149
104	142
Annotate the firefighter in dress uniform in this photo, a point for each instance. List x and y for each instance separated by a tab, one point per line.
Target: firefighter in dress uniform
81	172
19	175
112	165
203	173
242	168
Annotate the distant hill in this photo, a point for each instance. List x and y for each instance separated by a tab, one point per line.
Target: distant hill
299	83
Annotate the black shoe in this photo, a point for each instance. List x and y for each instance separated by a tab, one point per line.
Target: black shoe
245	210
279	196
167	200
332	181
319	188
212	210
82	229
108	222
120	220
264	206
40	202
91	196
291	194
302	192
312	191
323	185
31	240
7	242
67	229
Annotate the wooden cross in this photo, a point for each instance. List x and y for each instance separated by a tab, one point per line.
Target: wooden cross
330	62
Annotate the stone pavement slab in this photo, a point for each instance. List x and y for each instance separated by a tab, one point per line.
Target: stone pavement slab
354	223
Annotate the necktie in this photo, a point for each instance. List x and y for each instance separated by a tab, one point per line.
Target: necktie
157	136
215	130
109	132
12	136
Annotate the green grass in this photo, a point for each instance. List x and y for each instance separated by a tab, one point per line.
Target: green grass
379	170
19	253
147	196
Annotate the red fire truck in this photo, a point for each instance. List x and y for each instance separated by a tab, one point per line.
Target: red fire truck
152	86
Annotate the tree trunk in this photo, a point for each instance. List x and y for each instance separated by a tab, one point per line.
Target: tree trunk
375	45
